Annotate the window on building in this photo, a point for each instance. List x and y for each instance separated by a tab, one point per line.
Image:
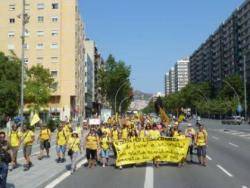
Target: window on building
54	19
12	20
54	45
40	6
39	46
54	73
12	7
55	5
27	7
54	59
11	34
54	32
54	86
39	59
26	46
11	47
40	33
40	19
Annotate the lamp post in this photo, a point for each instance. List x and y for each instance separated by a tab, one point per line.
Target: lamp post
122	85
235	92
245	87
120	105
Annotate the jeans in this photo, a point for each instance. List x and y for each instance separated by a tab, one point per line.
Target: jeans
3	174
73	161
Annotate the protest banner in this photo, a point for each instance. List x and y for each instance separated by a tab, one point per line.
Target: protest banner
145	150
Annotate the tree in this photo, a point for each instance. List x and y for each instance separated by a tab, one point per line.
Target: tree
10	74
38	87
113	76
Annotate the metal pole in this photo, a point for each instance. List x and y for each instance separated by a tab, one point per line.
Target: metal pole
245	87
22	63
120	105
123	84
238	98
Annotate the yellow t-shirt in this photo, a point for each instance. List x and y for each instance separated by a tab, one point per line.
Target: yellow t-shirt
28	137
66	129
79	131
61	138
125	133
175	134
45	134
154	134
74	144
142	134
92	142
115	135
181	136
14	138
201	138
104	143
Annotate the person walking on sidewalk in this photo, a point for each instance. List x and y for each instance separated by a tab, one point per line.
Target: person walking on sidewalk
14	139
74	148
27	140
5	159
61	142
91	145
44	138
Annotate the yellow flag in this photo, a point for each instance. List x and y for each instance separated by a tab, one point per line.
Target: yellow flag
35	119
164	116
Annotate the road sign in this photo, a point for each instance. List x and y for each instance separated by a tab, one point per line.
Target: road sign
239	108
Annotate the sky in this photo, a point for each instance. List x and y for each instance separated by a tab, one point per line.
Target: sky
151	35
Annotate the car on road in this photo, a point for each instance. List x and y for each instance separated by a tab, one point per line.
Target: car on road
234	120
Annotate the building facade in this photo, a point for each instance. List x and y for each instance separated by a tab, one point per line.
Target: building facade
53	38
167	84
181	74
172	80
89	76
222	54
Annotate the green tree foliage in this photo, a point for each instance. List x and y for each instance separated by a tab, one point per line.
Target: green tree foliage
112	76
9	85
38	87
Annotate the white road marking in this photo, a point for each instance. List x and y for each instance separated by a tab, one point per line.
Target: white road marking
64	175
244	186
209	158
214	137
224	170
149	177
232	144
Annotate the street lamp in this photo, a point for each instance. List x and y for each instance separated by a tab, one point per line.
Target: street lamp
245	87
238	98
123	84
120	105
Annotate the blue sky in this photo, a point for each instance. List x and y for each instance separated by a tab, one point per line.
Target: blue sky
150	35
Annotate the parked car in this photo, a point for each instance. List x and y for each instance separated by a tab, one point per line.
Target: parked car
234	120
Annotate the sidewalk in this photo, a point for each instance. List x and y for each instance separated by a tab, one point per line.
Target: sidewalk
42	172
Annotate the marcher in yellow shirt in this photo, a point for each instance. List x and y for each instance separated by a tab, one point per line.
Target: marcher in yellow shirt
44	138
61	142
190	134
92	144
105	145
28	139
201	143
124	132
74	147
14	139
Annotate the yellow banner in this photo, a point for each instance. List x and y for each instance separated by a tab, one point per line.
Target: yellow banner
145	150
35	119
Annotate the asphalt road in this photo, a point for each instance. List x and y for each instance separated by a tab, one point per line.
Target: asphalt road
228	166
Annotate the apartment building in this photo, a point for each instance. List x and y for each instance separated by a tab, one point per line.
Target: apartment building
181	74
53	38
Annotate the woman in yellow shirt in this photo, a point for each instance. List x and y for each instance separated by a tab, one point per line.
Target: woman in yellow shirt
105	145
44	138
74	147
27	139
201	143
14	141
91	145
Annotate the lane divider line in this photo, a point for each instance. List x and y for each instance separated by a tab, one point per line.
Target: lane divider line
244	186
209	158
232	144
224	170
64	175
149	177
